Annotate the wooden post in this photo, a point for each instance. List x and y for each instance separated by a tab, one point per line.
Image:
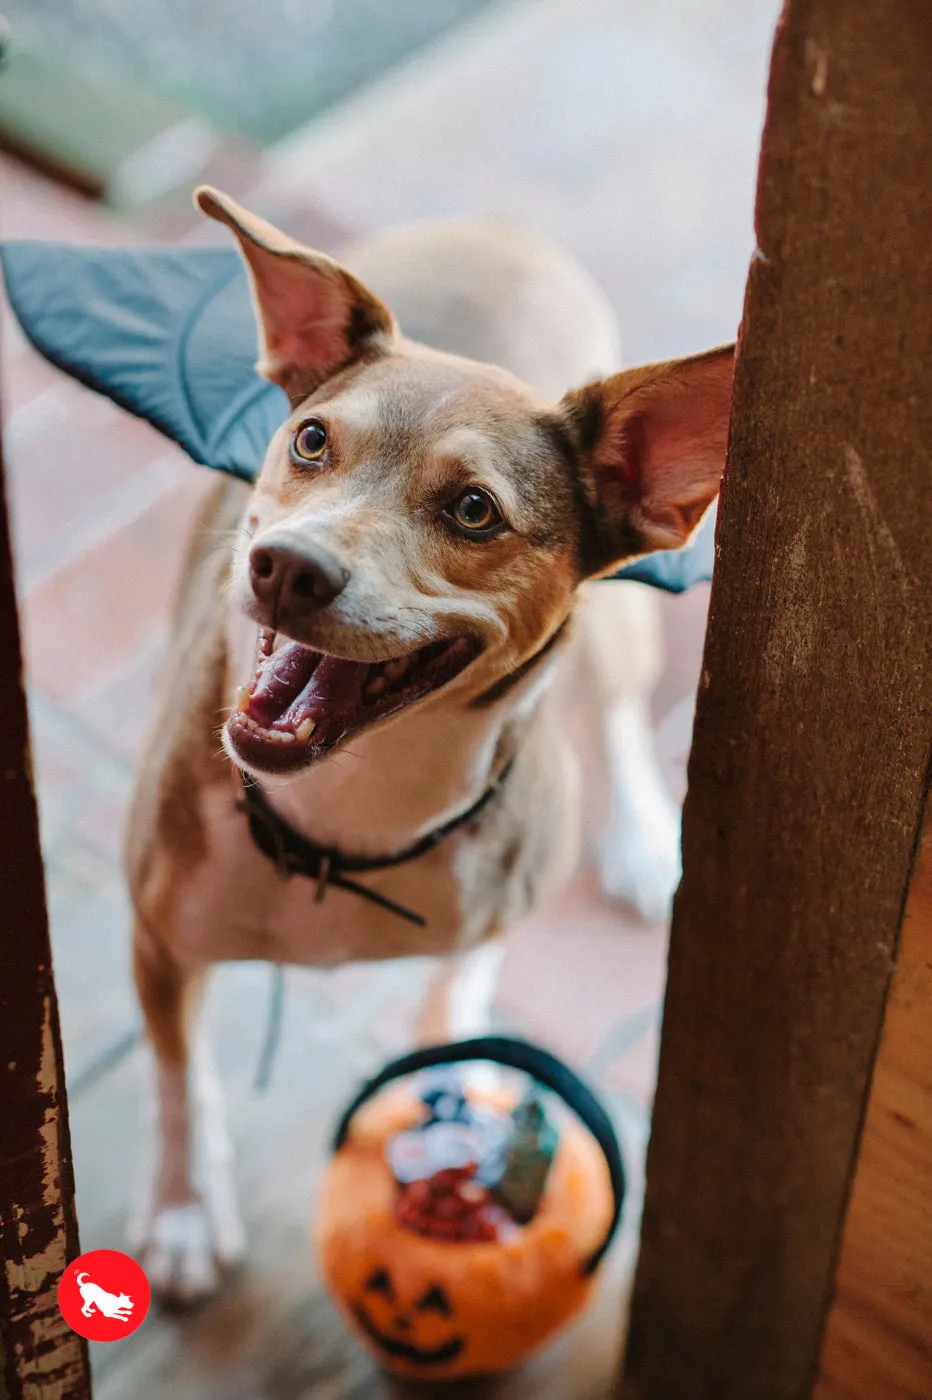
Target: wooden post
40	1357
813	728
878	1339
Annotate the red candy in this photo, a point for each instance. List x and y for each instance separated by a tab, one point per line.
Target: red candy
452	1206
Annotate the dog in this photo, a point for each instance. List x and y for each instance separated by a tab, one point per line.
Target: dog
117	1306
383	631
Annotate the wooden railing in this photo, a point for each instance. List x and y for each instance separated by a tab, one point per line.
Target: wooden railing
40	1357
811	749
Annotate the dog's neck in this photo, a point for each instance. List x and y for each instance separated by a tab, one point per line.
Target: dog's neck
389	787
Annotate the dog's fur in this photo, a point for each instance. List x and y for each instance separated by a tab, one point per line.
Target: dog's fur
584	481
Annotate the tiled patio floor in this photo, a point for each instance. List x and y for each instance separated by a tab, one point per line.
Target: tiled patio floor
100	506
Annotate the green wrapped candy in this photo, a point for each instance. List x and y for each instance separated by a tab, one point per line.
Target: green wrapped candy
529	1155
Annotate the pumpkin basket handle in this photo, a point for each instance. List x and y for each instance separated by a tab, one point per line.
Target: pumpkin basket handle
545	1069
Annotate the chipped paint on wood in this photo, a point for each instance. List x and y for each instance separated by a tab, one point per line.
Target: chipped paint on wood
40	1357
29	1273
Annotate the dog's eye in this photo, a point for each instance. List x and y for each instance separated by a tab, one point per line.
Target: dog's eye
475	512
309	442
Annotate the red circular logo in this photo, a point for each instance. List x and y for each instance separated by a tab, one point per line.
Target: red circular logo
103	1295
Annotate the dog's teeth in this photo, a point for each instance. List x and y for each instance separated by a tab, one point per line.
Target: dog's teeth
394	670
282	736
375	687
305	729
242	699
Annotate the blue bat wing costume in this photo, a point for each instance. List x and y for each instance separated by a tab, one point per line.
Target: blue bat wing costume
170	335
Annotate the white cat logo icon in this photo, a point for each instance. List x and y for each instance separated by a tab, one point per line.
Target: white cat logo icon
114	1305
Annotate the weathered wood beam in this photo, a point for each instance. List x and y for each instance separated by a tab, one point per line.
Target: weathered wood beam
878	1339
40	1357
813	728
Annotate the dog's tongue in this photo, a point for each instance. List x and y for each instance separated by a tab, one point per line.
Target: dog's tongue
296	682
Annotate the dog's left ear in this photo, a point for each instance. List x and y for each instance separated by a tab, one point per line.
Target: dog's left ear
652	444
314	316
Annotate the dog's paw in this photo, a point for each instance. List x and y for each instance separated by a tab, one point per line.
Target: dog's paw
184	1250
177	1252
640	864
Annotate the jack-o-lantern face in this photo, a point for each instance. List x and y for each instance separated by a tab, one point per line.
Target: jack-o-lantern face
414	1333
433	1310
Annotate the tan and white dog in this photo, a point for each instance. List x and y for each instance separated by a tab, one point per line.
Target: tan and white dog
376	628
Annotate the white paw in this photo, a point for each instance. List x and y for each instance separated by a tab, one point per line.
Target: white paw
185	1248
184	1253
185	1245
641	864
177	1253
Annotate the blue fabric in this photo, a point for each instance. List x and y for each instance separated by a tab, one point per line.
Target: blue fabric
170	335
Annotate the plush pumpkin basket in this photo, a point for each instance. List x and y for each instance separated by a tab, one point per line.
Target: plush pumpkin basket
458	1231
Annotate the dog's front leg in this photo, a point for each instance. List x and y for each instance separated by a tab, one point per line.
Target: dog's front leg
641	846
459	999
189	1226
640	856
459	1003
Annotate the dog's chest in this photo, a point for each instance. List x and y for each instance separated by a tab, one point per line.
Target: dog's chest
238	906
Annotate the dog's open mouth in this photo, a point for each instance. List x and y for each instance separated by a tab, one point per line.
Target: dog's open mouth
302	702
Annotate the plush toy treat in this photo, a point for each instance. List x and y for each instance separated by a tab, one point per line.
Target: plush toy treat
459	1230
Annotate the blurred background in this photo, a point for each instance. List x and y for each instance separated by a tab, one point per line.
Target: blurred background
627	130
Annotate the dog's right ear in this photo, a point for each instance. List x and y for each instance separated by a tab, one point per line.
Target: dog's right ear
314	316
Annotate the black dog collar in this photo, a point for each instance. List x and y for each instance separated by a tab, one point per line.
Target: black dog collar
294	854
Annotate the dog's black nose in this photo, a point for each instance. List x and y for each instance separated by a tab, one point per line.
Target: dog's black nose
290	580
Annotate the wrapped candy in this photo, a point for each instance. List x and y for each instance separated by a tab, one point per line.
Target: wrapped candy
445	1099
456	1133
452	1206
529	1155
